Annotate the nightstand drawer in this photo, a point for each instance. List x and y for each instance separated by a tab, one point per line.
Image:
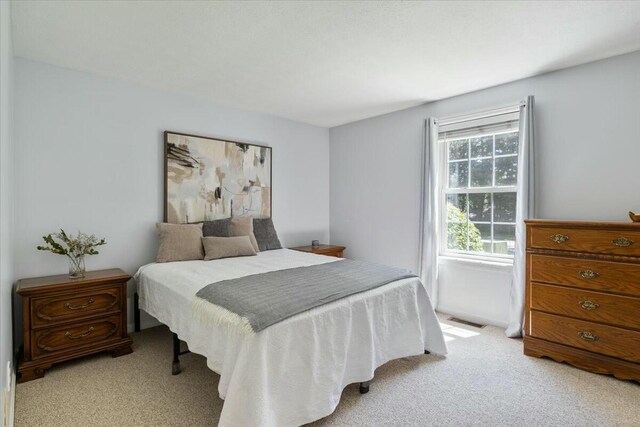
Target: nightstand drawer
585	240
337	253
593	306
601	339
63	338
328	250
60	308
589	274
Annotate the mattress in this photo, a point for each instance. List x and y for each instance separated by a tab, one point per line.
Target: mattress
293	372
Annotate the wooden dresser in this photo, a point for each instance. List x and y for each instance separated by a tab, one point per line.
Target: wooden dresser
329	250
583	295
66	318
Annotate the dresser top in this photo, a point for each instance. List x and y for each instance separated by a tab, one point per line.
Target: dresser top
616	225
63	280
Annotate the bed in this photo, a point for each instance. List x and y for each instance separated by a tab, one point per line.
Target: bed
292	372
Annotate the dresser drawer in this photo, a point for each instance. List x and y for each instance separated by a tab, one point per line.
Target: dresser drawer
587	274
594	306
625	242
46	342
602	339
60	308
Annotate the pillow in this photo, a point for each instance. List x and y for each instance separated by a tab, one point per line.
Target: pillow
226	247
266	235
217	228
179	242
244	227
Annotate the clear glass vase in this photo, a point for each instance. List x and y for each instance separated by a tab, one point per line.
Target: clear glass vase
76	267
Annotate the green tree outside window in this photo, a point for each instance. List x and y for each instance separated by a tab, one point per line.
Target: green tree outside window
457	231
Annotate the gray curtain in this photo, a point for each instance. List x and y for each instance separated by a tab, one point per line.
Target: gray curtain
525	208
429	249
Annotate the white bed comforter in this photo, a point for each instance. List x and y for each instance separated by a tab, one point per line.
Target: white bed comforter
293	372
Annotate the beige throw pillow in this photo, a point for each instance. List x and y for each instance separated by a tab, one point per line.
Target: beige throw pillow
227	247
179	242
244	227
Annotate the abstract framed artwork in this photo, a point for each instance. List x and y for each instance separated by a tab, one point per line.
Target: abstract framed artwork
209	178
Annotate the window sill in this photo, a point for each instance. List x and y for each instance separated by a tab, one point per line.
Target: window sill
506	264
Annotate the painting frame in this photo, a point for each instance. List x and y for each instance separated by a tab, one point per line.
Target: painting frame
166	142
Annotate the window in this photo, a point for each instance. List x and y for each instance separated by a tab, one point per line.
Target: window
478	186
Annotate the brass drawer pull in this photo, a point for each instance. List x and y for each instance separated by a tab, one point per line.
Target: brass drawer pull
589	274
79	307
559	238
75	337
587	336
588	305
623	242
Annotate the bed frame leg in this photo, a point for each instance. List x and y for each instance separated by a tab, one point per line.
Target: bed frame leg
136	312
364	387
175	366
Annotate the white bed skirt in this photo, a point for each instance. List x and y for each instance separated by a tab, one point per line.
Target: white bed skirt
293	372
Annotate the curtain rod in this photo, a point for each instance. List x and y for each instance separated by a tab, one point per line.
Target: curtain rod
481	114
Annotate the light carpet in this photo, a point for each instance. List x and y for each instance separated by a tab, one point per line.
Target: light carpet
484	381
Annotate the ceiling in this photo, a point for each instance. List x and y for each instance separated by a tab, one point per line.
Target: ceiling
324	63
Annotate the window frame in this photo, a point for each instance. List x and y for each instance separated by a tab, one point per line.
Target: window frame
444	191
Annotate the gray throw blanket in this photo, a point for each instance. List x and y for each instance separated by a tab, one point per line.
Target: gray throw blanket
261	300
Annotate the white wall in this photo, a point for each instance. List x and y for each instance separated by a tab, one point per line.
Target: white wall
89	156
6	197
588	136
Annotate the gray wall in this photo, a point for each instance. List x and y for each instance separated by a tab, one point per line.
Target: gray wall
588	141
6	194
89	156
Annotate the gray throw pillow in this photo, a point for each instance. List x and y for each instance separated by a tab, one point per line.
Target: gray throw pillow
217	228
266	235
179	242
226	247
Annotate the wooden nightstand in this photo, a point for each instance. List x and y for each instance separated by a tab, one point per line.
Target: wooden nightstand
66	318
330	250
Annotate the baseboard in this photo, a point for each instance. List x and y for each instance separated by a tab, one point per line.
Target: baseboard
12	397
472	317
9	409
